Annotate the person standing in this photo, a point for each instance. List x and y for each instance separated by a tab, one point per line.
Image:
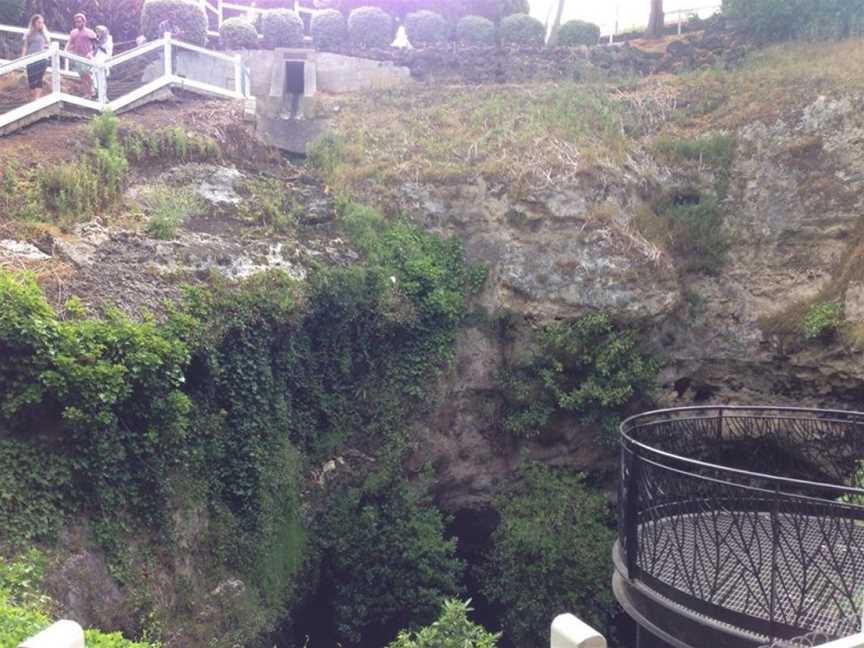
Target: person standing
104	47
81	42
36	40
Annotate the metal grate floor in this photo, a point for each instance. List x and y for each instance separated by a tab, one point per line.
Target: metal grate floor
725	558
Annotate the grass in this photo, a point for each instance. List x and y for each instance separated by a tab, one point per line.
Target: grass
525	135
168	208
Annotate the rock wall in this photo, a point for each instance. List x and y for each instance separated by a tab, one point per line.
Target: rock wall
793	213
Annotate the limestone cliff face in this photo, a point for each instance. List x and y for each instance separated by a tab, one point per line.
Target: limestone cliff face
793	212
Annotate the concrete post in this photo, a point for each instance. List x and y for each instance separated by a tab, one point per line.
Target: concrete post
63	634
102	85
570	632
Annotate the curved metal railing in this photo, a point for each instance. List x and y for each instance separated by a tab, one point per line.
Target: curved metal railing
747	515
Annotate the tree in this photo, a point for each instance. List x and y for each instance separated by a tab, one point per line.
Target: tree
385	559
551	554
453	629
657	21
552	31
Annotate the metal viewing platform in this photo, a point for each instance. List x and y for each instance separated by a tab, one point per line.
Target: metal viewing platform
738	527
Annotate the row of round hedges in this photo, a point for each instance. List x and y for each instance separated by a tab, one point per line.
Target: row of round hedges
238	33
187	18
282	28
370	27
522	29
578	32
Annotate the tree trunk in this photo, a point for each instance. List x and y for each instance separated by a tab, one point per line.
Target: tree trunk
657	22
552	40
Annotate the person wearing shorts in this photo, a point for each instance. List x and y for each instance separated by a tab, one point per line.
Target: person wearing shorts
81	42
36	40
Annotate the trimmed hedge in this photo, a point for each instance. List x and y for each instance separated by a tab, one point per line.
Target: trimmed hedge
784	19
578	32
425	28
238	33
282	28
186	15
370	27
522	29
475	30
494	10
329	29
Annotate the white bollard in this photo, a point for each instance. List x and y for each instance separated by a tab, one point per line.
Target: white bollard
63	634
570	632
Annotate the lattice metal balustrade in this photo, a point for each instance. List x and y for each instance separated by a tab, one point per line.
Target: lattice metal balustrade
744	518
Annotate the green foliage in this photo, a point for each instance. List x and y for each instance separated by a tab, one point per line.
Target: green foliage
167	208
169	144
715	150
282	28
326	153
694	227
12	12
19	623
522	29
268	204
238	33
77	189
385	558
18	199
784	19
113	385
453	629
425	28
21	579
475	30
370	27
551	553
822	320
188	17
329	29
589	367
35	485
99	639
578	32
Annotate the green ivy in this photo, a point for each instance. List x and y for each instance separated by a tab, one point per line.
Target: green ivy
589	367
822	320
385	558
453	629
551	553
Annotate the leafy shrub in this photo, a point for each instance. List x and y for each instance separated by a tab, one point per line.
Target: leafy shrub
822	320
12	12
370	27
99	639
385	544
551	552
282	28
329	29
453	629
238	33
693	224
171	144
123	17
475	30
494	10
784	19
587	366
188	16
34	485
326	153
167	209
522	29
578	32
19	623
267	203
425	28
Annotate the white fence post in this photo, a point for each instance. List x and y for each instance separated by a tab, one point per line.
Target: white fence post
102	85
55	69
63	634
570	632
169	66
238	75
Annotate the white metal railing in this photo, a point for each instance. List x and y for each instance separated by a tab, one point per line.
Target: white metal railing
219	8
681	14
232	85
